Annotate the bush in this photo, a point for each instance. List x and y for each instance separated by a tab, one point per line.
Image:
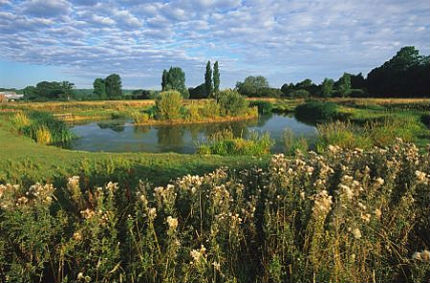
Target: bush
140	118
264	107
193	112
169	105
299	93
292	144
210	109
269	92
232	103
315	111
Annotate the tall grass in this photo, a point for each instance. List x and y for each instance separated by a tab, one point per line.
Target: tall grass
42	127
347	216
225	143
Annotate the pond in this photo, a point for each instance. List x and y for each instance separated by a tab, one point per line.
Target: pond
123	136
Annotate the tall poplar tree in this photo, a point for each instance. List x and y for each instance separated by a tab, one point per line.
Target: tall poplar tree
208	80
216	80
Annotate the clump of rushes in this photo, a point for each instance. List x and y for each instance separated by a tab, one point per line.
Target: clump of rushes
350	215
224	143
139	118
43	127
43	135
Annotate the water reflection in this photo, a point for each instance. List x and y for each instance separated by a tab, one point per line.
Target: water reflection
122	135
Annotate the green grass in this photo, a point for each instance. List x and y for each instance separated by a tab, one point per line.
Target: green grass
23	161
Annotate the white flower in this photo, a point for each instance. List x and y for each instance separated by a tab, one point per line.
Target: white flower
356	233
152	212
377	213
380	181
172	222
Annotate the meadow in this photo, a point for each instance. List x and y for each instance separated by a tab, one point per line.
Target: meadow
351	208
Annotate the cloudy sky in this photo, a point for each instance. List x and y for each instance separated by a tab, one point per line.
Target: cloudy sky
284	40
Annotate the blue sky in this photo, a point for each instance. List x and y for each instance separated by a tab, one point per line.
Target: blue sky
284	40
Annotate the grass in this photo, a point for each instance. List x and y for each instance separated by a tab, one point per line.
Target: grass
23	161
345	216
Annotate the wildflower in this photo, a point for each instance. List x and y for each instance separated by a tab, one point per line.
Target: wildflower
356	233
87	213
216	265
377	213
379	181
77	236
22	201
172	222
421	177
80	276
73	181
365	217
152	213
425	255
346	191
197	255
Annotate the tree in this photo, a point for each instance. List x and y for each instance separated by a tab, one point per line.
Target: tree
208	80
113	85
404	75
99	88
216	80
67	87
174	79
327	87
251	85
164	80
344	85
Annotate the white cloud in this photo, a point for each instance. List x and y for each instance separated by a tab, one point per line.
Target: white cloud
284	40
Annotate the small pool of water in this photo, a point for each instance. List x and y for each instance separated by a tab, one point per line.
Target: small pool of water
123	136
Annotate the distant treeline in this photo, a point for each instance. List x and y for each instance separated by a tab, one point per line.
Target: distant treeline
407	74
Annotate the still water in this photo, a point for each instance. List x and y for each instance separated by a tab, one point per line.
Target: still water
123	136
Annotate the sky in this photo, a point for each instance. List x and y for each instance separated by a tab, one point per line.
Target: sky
283	40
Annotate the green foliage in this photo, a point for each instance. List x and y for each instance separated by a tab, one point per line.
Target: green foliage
344	216
210	109
317	111
404	75
216	80
49	91
113	86
292	144
140	118
198	92
343	85
169	105
264	107
232	103
224	143
174	79
43	128
327	87
99	88
208	80
252	85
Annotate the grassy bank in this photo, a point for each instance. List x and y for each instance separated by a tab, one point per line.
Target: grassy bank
24	161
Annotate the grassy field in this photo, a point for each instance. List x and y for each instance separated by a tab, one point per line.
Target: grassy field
24	161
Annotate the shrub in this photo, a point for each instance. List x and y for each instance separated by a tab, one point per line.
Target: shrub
264	107
299	93
139	118
269	92
342	134
316	111
210	109
232	103
293	144
193	112
169	105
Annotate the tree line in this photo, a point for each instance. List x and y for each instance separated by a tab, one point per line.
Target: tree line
406	74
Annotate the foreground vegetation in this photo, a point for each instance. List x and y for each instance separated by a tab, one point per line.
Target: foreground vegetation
345	216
